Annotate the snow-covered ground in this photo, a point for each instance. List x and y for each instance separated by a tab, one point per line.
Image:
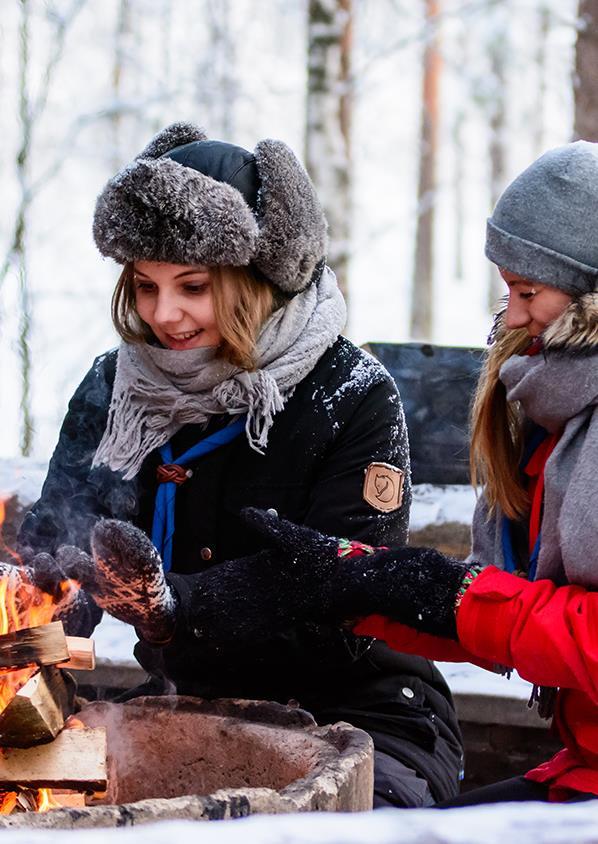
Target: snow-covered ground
437	505
517	823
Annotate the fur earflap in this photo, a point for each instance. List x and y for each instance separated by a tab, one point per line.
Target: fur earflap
172	136
293	230
576	329
160	211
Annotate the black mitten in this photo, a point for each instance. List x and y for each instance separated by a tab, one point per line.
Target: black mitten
127	580
416	586
252	598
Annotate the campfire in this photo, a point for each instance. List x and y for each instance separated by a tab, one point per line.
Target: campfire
48	759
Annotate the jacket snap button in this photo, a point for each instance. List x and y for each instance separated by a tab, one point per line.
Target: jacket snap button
409	693
206	553
271	511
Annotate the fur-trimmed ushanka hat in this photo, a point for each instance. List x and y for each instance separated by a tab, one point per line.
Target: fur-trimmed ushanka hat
189	200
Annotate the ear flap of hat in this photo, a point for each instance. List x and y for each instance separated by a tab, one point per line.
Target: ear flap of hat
292	240
172	136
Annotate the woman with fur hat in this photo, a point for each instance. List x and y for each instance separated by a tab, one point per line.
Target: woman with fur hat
232	387
526	597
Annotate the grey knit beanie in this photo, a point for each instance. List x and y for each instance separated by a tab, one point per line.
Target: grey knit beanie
545	224
188	200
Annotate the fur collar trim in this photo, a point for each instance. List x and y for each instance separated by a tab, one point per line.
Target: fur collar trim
576	329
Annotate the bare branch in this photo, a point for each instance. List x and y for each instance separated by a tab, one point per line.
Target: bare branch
63	24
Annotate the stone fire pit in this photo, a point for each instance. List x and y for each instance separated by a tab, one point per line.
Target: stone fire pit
182	757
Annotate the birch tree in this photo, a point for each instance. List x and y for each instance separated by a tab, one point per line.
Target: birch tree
498	47
422	313
31	109
328	121
122	36
458	141
544	24
217	84
585	84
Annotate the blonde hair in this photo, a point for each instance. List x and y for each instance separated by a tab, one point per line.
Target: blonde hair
242	302
496	431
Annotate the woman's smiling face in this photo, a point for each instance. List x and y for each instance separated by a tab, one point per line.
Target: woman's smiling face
175	300
532	305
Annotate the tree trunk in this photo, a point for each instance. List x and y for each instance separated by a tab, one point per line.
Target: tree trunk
544	22
217	86
422	310
18	253
121	48
458	141
328	122
498	48
585	85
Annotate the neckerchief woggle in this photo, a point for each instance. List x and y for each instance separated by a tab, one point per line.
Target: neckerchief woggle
164	508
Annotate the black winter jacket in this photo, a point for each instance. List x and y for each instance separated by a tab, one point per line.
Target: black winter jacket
345	414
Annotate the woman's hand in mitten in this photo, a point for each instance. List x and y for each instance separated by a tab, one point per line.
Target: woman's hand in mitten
419	587
127	580
252	598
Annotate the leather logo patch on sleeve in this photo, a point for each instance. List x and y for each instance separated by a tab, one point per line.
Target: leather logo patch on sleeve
383	487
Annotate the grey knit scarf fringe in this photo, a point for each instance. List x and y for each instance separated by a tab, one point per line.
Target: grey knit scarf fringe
157	391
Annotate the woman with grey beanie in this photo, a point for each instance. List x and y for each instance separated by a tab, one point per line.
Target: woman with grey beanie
233	388
527	597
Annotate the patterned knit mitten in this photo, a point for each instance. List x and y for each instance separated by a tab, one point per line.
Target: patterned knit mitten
127	580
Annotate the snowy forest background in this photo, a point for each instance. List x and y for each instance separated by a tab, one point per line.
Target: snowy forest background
411	116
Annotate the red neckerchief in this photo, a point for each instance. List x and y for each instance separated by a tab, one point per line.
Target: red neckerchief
534	470
535	466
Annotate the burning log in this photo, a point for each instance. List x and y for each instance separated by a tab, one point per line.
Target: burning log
44	645
76	759
38	710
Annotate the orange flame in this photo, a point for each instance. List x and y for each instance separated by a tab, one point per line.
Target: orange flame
22	604
8	800
45	801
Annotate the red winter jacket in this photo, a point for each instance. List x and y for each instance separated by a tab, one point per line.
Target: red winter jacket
550	635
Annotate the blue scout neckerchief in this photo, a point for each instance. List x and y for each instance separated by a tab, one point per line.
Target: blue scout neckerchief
172	474
511	563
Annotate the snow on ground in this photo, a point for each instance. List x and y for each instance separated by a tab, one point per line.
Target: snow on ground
22	477
517	823
436	505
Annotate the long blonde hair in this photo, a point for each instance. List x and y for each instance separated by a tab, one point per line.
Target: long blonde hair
496	431
242	302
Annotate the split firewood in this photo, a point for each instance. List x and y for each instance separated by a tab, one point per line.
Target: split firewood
43	645
38	710
68	799
82	655
76	759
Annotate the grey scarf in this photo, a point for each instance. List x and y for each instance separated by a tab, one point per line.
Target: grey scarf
157	391
559	392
